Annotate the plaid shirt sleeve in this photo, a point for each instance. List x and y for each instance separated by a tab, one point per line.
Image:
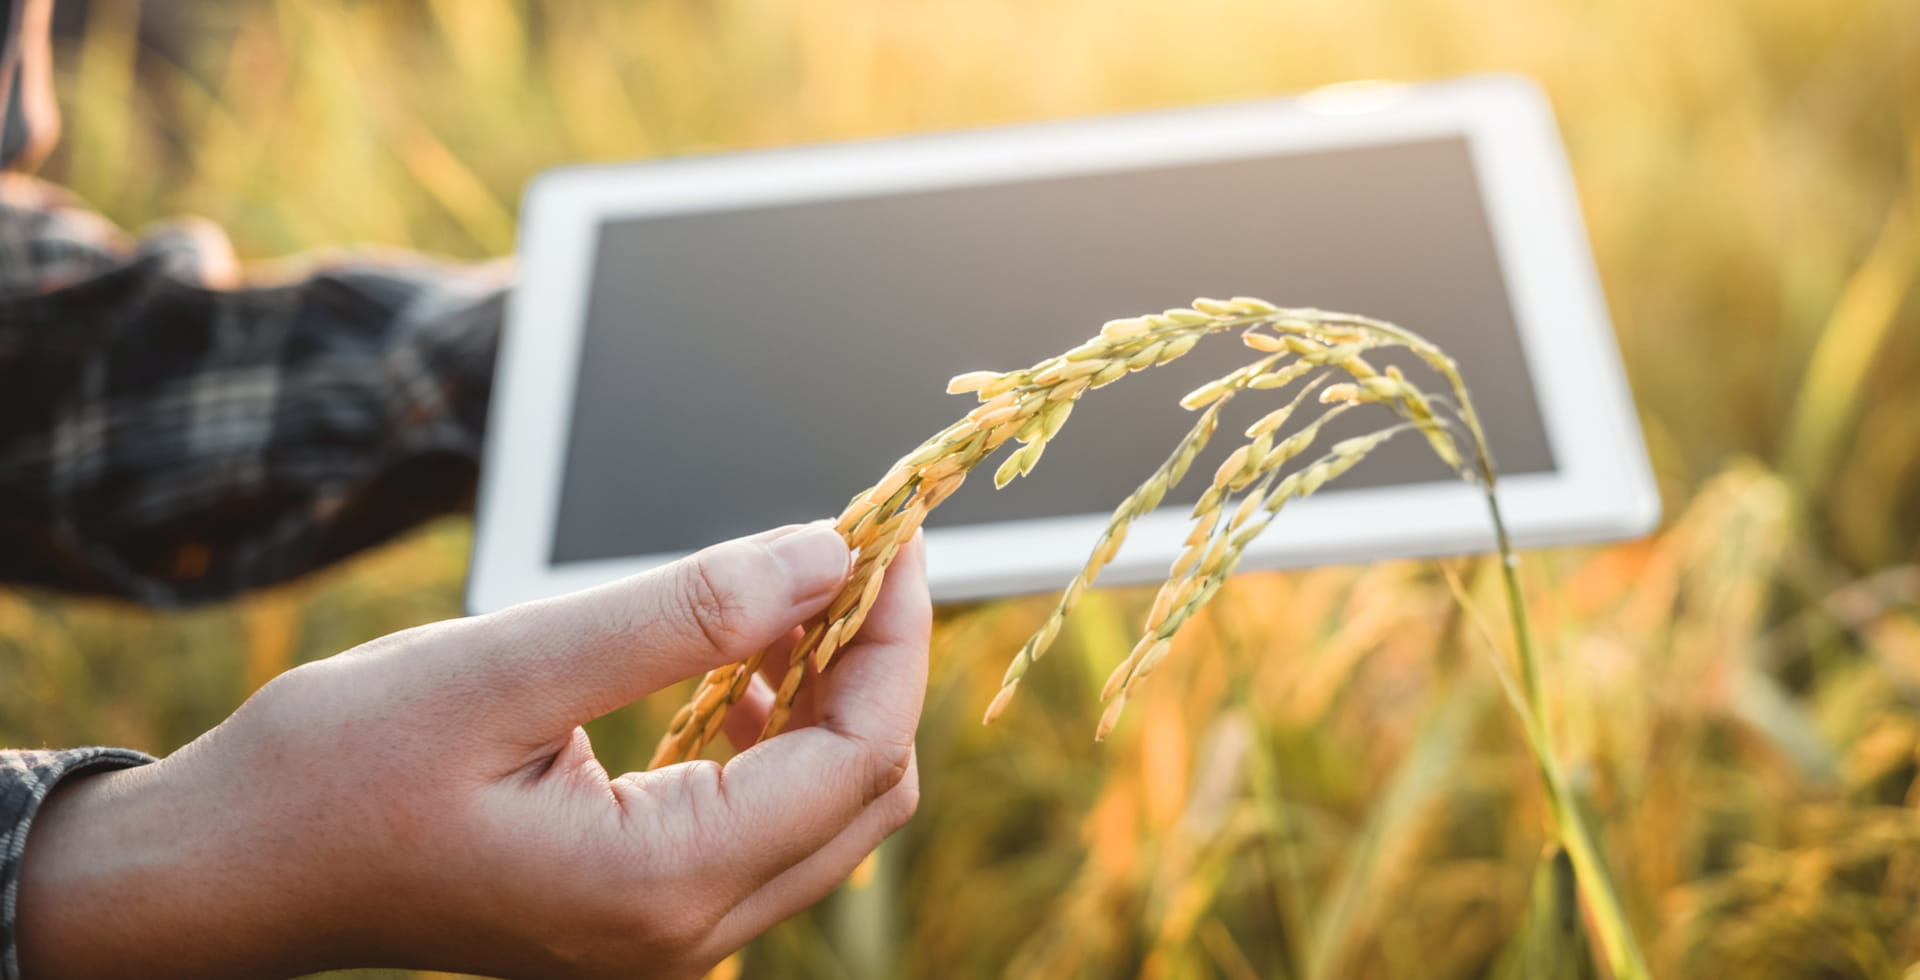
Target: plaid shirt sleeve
25	780
167	441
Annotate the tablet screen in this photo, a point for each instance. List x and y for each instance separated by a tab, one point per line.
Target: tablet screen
742	369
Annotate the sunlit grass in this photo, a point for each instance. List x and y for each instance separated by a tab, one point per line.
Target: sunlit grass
1323	782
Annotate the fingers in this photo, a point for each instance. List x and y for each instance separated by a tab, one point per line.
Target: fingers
876	685
821	872
785	799
566	660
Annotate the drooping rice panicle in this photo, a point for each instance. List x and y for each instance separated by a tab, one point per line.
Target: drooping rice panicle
1031	406
1142	501
1027	406
1196	579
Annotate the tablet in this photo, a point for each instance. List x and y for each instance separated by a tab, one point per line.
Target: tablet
706	347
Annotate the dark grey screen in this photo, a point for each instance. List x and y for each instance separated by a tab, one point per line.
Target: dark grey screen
754	367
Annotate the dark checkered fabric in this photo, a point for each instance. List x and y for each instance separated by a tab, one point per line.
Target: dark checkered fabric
169	442
25	780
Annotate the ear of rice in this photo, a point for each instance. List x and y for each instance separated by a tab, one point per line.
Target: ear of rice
1031	406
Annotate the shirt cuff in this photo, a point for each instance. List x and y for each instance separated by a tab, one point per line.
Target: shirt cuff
26	779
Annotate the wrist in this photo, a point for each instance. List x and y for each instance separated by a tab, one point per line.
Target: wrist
136	872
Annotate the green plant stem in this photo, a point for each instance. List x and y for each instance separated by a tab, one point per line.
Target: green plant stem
1624	958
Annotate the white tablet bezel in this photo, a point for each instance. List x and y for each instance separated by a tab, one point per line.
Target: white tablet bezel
1602	487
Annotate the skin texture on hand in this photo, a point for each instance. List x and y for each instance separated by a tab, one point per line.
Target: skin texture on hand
429	800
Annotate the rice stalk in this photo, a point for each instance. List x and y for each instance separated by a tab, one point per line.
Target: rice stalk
1029	407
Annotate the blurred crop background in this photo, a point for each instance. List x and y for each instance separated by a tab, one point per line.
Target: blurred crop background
1324	781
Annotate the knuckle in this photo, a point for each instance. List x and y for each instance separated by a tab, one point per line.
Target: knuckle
710	599
903	802
889	763
722	591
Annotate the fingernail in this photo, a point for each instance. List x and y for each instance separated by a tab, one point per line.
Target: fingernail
815	559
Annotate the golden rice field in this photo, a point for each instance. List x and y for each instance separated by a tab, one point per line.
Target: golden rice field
1324	780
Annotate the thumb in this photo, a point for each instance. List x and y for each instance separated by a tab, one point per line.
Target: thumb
576	657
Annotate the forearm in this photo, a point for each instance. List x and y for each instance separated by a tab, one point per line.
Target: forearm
126	874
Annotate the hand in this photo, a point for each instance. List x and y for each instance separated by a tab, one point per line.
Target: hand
428	799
